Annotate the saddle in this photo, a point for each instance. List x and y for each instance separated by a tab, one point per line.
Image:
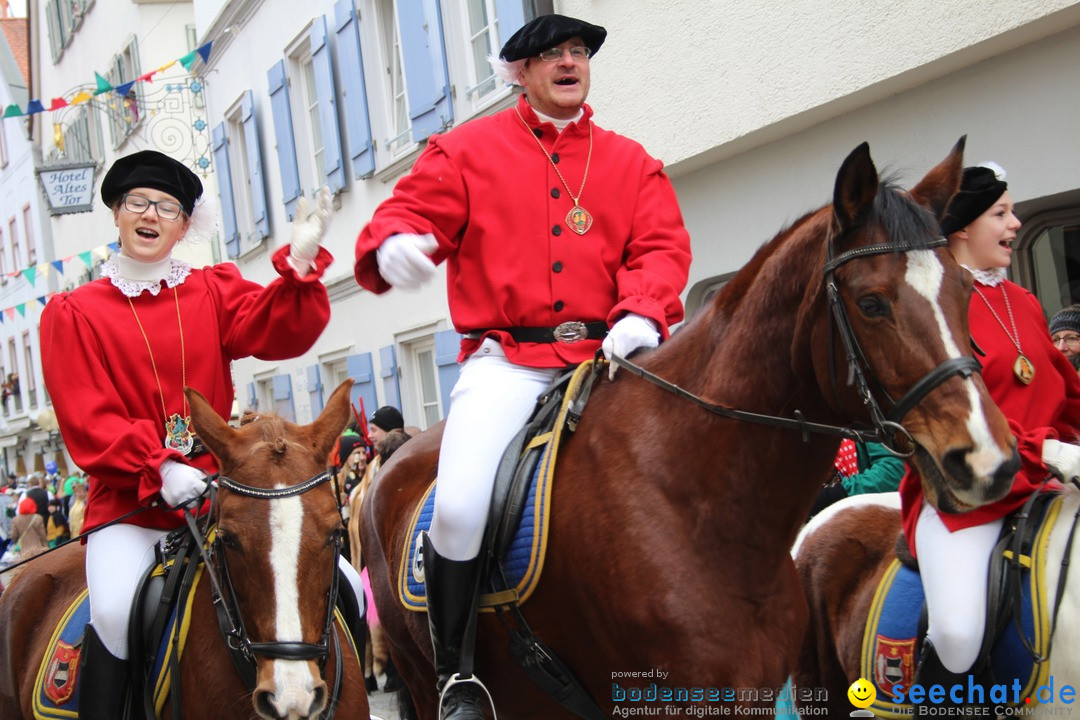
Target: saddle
1016	643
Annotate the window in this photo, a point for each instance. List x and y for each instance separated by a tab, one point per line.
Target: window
11	382
426	382
17	261
310	103
241	177
3	146
1051	258
81	139
3	258
397	135
28	369
31	242
238	165
62	19
482	38
124	111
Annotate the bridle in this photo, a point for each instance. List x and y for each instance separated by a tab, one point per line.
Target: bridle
885	426
242	649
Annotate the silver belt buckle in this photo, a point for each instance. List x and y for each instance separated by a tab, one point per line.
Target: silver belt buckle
571	331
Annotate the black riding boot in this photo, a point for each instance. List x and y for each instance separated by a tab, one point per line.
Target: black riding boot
931	672
452	588
103	680
355	620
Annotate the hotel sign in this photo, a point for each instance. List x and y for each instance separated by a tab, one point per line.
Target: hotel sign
68	188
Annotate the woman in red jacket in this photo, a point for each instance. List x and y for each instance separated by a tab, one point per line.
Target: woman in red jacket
117	354
1037	390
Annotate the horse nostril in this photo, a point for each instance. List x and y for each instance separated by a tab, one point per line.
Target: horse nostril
956	466
264	704
1008	469
319	702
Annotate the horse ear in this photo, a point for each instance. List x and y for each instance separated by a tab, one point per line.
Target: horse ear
212	428
856	187
940	184
333	419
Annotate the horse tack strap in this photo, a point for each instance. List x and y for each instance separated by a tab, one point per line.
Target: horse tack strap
272	493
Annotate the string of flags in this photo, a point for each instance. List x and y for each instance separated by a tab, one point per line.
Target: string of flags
36	272
103	86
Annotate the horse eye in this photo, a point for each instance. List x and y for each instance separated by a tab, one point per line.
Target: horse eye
873	306
335	535
228	540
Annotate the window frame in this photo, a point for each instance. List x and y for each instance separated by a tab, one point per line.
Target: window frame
381	45
28	233
1028	270
29	364
240	176
299	73
124	112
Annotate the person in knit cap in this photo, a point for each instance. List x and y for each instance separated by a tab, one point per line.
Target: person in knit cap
560	238
1038	391
1065	333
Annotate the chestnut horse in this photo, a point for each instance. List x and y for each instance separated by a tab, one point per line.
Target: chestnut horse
842	555
281	548
670	527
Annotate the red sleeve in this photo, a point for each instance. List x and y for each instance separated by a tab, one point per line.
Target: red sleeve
280	321
657	260
430	199
119	450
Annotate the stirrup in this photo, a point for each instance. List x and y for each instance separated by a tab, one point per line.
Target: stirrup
457	679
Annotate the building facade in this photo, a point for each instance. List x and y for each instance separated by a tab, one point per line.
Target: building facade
752	107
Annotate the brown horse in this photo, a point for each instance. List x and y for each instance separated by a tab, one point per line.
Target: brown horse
670	529
841	557
281	556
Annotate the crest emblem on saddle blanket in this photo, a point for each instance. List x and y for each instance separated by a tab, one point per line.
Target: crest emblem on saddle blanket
61	675
894	664
418	559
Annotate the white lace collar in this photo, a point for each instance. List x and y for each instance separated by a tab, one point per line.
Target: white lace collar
991	278
132	277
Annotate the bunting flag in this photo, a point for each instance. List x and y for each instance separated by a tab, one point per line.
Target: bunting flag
59	265
31	274
87	258
21	307
102	85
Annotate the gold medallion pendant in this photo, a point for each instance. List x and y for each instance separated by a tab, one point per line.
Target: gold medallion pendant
1023	369
579	220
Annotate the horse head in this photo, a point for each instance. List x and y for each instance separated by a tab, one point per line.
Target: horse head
892	280
277	545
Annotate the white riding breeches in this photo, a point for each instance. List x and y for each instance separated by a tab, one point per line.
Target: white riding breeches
117	557
955	567
491	401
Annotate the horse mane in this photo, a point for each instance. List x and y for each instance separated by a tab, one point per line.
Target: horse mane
273	434
893	209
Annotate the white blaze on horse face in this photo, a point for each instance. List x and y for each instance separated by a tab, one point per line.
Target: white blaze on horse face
925	273
294	686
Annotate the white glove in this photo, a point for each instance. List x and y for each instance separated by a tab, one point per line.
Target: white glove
180	482
404	260
633	331
1062	458
307	232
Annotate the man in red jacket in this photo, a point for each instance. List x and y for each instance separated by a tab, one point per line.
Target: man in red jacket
557	235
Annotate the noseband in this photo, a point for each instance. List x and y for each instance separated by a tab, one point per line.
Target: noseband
241	649
886	426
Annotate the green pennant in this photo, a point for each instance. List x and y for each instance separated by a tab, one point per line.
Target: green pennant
21	307
188	60
87	258
103	85
30	274
12	110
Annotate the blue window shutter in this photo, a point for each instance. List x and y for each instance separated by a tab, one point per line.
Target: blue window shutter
220	147
426	77
314	388
283	132
362	371
354	89
391	388
447	344
510	16
333	163
283	399
254	164
252	397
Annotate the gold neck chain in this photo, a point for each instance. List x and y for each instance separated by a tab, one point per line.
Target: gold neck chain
157	379
578	219
1023	368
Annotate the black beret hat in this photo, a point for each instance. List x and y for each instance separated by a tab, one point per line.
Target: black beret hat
546	32
387	418
151	169
979	190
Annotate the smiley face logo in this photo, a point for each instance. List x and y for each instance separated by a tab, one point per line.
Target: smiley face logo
862	693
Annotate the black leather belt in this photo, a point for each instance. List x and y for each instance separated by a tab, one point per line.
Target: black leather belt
567	332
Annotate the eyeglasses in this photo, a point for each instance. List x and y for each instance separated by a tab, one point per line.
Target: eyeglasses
166	209
578	52
1070	339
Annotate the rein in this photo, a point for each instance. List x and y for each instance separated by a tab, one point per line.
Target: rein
886	426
